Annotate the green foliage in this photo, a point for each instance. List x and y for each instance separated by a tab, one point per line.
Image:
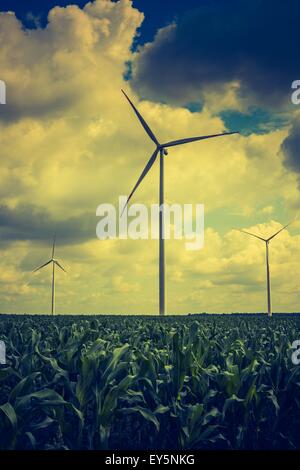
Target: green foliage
196	382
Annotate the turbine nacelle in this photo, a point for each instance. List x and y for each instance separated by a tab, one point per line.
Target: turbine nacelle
164	150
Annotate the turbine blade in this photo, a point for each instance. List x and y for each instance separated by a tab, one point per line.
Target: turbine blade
43	265
142	120
193	139
53	247
144	172
252	234
280	231
60	266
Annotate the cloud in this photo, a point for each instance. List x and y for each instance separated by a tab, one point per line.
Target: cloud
223	49
267	210
290	147
29	222
48	73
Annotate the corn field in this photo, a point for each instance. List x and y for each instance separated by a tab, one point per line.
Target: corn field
119	382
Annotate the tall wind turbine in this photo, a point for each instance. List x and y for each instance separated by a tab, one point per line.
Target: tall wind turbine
54	263
267	241
161	149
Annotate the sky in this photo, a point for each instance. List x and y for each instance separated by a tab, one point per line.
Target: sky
69	142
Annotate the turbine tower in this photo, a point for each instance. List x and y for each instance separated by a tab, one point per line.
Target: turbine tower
161	149
267	241
54	263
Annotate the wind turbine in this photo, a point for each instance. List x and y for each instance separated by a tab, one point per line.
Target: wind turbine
161	149
267	241
54	263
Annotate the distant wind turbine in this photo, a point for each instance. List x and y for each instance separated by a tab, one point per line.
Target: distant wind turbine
54	263
267	240
161	149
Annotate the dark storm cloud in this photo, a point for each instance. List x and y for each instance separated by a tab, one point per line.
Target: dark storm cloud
291	148
253	42
37	108
28	222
